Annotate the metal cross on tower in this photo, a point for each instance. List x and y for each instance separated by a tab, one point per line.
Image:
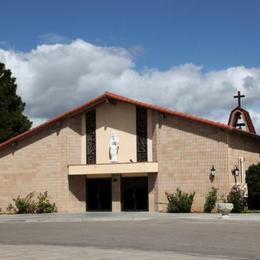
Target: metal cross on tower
239	98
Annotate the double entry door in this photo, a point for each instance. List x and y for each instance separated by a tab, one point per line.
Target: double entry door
99	194
134	193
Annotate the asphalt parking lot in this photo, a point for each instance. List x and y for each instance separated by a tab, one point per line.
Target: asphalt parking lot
129	236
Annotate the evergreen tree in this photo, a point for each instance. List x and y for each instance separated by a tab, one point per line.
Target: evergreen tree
253	182
12	120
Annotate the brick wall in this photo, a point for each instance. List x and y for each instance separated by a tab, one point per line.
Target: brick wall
241	146
39	163
186	151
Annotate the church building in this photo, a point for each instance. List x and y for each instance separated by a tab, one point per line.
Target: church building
116	154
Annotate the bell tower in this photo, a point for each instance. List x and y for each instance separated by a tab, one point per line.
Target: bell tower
240	118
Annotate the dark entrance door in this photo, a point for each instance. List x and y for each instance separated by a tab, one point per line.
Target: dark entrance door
99	196
134	194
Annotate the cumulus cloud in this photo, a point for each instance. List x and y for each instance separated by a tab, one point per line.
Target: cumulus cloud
52	78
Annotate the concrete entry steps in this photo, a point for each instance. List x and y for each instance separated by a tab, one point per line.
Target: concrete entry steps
122	216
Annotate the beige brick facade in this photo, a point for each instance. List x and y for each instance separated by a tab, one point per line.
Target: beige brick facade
39	163
185	151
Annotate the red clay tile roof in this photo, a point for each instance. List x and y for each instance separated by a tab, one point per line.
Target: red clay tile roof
248	120
108	95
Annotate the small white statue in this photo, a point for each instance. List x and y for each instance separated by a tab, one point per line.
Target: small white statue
113	147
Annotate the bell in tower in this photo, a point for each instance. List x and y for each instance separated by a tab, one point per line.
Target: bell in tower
240	118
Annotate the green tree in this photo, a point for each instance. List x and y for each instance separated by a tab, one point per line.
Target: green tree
12	120
253	183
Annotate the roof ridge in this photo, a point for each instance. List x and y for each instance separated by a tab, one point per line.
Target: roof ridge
167	110
102	98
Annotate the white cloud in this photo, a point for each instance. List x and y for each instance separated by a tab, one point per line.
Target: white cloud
55	77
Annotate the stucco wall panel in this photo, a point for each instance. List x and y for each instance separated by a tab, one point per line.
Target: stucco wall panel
120	118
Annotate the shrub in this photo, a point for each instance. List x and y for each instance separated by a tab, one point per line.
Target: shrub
28	205
236	196
25	205
44	205
179	202
211	200
253	183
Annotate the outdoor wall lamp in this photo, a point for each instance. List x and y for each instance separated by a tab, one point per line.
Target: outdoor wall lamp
236	172
213	171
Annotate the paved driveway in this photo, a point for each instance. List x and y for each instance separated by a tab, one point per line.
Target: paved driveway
130	236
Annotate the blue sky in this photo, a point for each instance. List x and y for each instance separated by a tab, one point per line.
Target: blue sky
191	56
214	34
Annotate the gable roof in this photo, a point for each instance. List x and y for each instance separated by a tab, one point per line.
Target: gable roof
111	96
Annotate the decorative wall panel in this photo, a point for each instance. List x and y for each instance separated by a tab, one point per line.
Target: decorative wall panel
141	134
91	136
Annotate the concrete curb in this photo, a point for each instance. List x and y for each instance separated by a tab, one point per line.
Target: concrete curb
129	216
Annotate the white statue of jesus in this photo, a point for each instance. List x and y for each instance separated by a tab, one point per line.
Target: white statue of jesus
113	147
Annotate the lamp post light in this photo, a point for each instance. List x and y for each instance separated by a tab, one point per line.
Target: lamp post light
213	171
236	171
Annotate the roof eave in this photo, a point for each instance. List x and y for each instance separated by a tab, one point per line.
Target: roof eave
108	95
94	102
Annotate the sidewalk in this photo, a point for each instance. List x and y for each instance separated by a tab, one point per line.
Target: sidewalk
47	252
123	216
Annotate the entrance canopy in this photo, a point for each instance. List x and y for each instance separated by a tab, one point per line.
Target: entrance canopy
113	168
